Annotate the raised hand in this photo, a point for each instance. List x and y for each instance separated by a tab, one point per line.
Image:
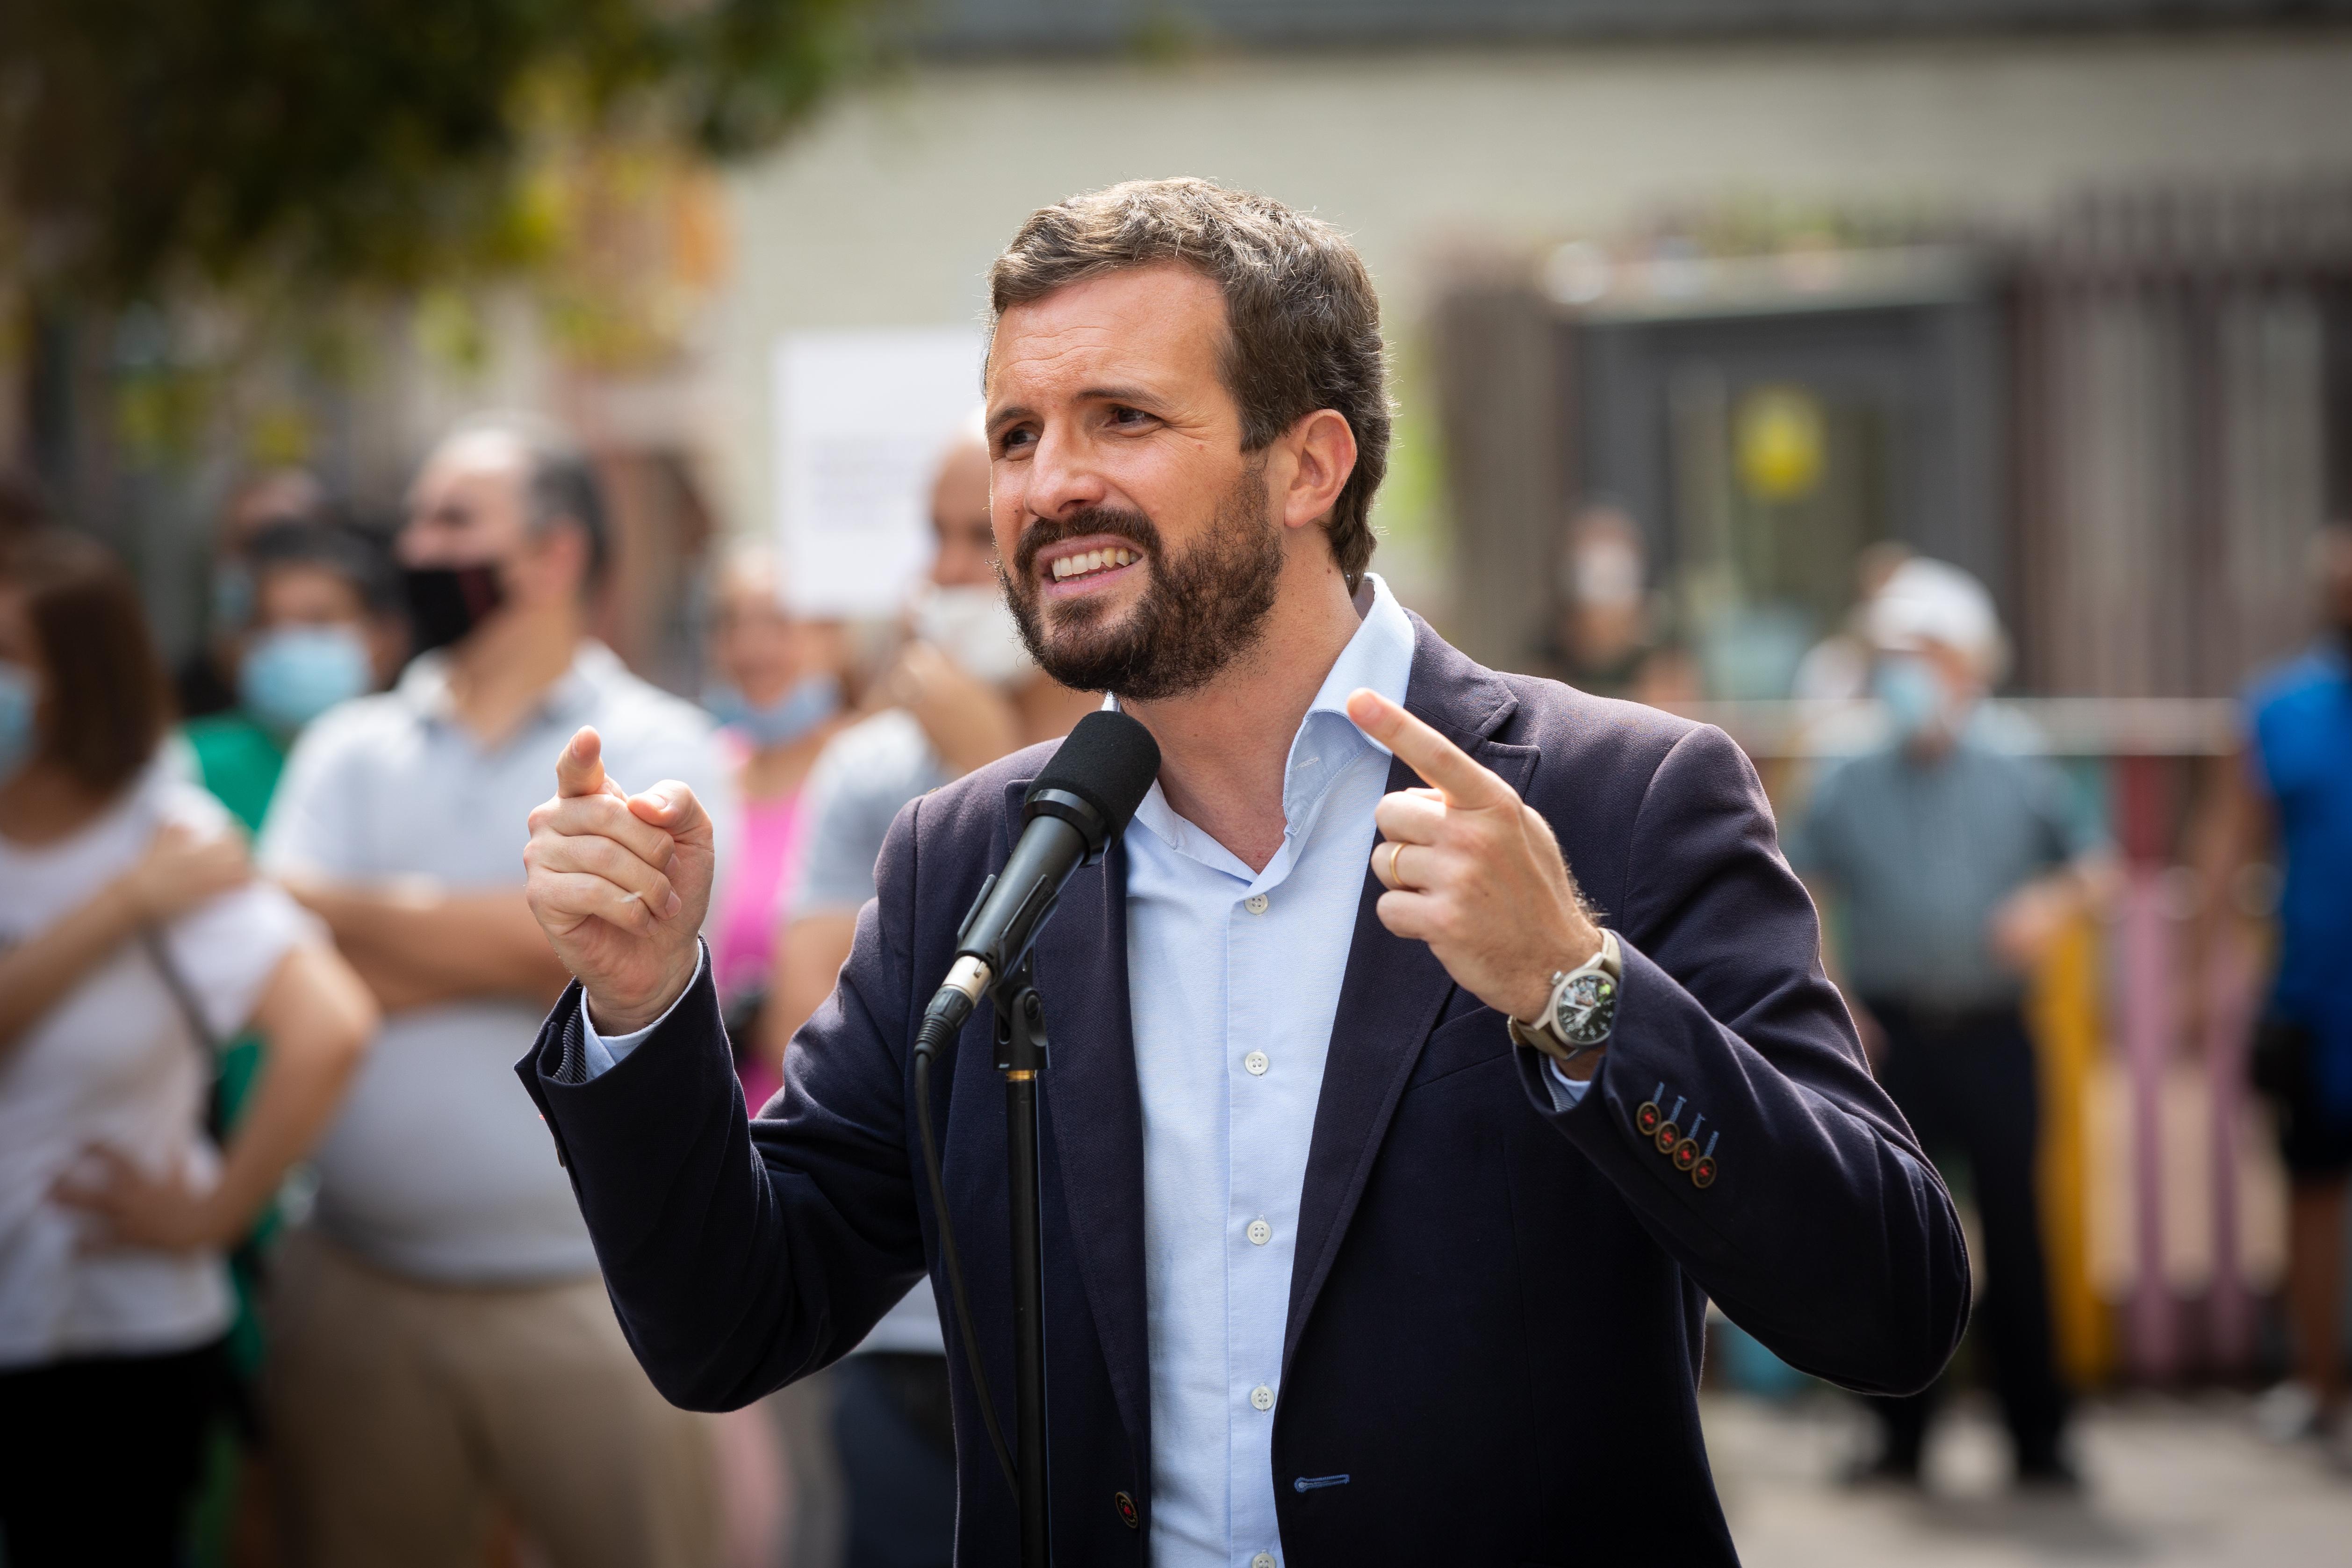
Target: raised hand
969	723
1472	869
620	883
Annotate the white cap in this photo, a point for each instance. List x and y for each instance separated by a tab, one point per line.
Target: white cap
1928	601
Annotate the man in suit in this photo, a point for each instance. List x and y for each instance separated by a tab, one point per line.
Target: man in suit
1428	1050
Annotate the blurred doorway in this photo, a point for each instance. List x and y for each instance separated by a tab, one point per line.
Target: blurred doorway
1775	488
1764	431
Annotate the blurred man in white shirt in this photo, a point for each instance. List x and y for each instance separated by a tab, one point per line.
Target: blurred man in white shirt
444	1348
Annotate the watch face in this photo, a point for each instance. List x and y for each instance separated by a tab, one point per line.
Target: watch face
1586	1009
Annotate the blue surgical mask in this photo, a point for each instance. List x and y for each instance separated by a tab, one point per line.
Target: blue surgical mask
20	700
293	674
1912	691
808	702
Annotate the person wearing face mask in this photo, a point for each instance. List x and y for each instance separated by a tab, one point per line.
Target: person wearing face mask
325	629
775	689
963	692
133	940
206	680
1953	860
441	1349
776	692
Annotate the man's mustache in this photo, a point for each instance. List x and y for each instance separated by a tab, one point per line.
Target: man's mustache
1047	531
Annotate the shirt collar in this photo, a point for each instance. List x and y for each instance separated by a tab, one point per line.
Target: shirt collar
1378	657
424	686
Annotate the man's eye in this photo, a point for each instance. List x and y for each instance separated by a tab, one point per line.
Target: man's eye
1014	440
1129	417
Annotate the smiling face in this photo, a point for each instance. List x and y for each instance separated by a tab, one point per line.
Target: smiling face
1141	550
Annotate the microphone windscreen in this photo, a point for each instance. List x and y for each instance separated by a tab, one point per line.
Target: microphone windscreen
1109	762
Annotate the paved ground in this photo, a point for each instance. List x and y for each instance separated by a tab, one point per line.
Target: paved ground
2172	1481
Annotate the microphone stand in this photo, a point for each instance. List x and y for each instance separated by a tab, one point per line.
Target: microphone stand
1020	1058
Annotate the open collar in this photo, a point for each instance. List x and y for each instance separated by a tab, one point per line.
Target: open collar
423	688
1391	998
1379	656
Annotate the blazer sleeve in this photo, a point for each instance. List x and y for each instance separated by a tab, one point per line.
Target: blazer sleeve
1815	1221
741	1254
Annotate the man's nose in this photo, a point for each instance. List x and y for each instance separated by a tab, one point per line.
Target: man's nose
1063	476
421	544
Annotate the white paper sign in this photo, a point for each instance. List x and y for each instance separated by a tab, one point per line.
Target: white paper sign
862	418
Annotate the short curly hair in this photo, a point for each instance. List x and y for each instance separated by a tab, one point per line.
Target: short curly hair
1302	317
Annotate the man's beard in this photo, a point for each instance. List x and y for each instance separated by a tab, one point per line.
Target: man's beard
1202	610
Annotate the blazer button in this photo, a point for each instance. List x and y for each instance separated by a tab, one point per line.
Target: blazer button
1686	1154
1702	1171
1646	1119
1128	1515
1668	1136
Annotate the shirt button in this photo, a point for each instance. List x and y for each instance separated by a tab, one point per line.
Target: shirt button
1263	1560
1262	1397
1255	903
1260	1233
1257	1063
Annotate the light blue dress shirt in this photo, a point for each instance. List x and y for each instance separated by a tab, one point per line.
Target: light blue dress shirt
1234	978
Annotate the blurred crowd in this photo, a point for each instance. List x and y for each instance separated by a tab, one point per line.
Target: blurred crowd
264	916
289	1271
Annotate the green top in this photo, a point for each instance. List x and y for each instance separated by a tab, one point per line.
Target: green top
240	762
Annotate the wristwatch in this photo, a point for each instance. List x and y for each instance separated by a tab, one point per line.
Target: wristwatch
1583	1007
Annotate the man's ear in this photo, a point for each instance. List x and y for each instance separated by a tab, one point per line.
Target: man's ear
561	553
387	645
1322	450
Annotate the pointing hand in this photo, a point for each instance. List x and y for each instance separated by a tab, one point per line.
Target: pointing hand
1473	870
620	883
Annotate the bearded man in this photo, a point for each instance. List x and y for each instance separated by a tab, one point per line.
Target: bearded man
1432	1045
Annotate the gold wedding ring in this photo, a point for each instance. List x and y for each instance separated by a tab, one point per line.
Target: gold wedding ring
1395	849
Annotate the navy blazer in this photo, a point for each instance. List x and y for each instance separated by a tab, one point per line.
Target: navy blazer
1496	1308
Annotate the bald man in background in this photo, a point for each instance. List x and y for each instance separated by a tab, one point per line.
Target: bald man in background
963	693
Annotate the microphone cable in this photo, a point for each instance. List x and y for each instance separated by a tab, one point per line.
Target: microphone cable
926	1046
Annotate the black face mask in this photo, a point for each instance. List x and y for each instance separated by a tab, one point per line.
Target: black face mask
446	603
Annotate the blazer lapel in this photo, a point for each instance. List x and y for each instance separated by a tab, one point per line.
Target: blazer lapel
1094	1112
1394	990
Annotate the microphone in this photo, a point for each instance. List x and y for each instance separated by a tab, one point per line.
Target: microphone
1090	787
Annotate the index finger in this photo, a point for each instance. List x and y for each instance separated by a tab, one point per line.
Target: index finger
1461	780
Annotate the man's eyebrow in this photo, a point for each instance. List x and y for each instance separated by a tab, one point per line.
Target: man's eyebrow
1139	396
1134	395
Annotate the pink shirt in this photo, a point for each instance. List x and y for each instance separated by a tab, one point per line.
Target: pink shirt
751	917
